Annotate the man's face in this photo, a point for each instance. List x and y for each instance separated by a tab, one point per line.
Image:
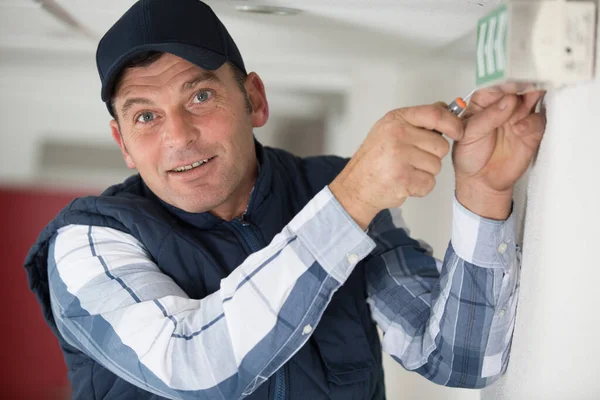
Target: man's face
188	131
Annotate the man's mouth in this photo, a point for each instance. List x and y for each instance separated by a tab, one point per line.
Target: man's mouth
188	167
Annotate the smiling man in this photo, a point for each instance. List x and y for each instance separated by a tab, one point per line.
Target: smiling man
228	270
186	129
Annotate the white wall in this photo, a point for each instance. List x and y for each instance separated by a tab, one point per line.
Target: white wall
555	347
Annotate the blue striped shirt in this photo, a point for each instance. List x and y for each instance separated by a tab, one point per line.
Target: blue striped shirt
450	321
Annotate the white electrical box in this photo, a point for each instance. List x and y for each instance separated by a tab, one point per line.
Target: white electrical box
525	45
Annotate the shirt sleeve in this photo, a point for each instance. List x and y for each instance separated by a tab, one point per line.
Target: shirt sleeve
449	321
112	302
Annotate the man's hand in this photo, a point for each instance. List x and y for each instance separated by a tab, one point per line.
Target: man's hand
502	134
400	158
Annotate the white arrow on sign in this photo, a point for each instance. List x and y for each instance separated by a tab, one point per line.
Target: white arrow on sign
480	50
489	47
499	42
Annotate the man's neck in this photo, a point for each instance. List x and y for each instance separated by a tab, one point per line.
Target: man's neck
237	204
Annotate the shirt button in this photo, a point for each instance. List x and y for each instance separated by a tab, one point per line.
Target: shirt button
307	329
502	312
352	258
502	248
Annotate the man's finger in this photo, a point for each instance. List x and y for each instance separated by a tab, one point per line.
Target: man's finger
481	99
420	184
535	124
425	161
434	118
492	116
528	102
429	141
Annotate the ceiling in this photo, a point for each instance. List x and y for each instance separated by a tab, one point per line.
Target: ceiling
430	22
417	23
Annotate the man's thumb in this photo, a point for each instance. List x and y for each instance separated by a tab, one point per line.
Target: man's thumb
493	116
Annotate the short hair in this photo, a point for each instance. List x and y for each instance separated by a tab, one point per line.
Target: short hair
149	57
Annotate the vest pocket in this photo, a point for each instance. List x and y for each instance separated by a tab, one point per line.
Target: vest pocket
344	348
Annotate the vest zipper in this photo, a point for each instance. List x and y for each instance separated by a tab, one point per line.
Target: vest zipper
280	384
245	229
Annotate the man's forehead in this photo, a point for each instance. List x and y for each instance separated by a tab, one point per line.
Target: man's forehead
167	70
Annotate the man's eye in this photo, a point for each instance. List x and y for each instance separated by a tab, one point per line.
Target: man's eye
145	117
202	96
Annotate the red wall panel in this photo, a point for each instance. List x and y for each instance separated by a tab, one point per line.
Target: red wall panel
32	364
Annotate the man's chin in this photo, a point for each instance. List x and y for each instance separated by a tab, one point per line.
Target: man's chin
195	206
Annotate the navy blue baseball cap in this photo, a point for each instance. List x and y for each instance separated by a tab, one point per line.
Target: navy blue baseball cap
186	28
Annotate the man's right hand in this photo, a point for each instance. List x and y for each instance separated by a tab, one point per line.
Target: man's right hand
399	158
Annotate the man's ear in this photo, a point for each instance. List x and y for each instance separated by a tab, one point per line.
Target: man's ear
116	134
258	98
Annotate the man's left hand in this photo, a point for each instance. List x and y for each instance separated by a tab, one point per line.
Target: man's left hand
502	134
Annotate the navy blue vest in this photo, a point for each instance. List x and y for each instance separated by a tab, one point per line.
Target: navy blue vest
342	360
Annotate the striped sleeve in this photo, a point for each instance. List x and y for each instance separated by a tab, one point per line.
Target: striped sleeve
114	304
449	321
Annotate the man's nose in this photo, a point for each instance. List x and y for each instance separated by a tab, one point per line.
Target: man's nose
180	131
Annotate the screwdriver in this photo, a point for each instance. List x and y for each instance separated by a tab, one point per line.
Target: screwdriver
459	105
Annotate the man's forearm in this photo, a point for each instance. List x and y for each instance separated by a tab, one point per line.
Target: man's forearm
454	330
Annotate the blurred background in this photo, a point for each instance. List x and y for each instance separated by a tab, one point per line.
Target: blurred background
331	68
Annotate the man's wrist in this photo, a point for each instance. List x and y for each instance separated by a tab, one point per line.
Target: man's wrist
360	212
483	201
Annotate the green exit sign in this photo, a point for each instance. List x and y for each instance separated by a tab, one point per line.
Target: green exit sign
536	44
492	43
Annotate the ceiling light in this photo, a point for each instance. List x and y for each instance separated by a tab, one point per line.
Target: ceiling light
272	10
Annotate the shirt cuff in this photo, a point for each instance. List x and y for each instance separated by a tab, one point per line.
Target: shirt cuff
481	241
331	235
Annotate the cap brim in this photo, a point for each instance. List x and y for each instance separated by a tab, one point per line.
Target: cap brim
202	57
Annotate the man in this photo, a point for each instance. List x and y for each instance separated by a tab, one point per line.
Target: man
226	270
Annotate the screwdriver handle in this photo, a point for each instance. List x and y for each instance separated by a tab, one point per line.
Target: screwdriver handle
456	107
